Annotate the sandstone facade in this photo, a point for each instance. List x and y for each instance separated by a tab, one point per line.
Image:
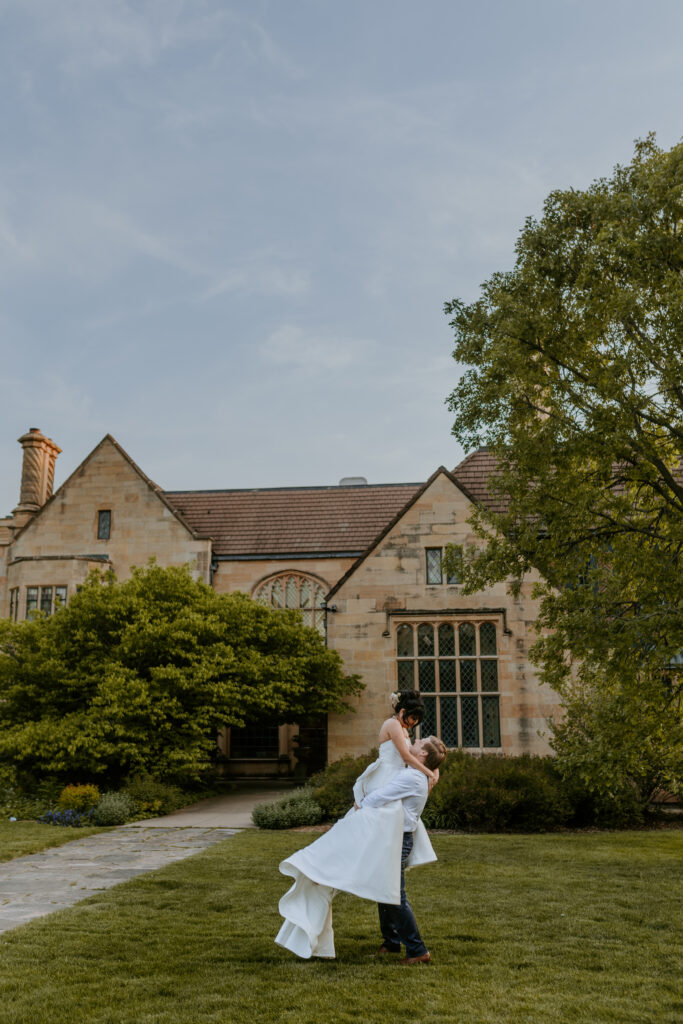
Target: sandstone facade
359	561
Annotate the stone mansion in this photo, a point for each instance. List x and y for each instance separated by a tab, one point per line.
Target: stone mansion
362	563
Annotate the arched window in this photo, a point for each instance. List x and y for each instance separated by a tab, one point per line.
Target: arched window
296	591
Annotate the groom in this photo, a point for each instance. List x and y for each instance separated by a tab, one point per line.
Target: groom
410	786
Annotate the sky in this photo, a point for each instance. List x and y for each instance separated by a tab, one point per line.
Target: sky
228	229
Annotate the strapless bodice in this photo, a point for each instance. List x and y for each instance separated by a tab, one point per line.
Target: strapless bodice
380	771
389	755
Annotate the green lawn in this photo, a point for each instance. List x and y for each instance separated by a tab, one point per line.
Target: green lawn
522	929
20	837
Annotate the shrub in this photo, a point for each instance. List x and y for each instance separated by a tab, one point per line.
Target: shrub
152	798
621	809
498	794
69	817
114	809
25	798
333	786
292	810
78	798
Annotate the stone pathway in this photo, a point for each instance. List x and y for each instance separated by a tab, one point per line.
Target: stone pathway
41	883
230	811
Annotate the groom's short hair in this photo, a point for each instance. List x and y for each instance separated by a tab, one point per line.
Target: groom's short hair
436	752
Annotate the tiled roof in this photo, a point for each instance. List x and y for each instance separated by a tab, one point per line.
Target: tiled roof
292	520
474	473
311	520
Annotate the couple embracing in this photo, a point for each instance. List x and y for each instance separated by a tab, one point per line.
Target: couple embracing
367	851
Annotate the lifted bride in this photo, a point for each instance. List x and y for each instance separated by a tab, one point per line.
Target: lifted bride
361	853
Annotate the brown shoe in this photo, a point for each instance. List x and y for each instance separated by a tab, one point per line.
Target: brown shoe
408	961
385	951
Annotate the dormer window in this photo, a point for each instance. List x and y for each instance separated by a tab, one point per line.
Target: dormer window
104	524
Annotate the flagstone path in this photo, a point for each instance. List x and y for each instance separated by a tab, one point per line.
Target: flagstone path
41	883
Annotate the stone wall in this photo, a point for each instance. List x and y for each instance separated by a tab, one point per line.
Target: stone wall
247	575
60	544
389	587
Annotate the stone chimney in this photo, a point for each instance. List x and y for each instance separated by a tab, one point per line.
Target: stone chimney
37	473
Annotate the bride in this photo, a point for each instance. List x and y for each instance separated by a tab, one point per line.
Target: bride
361	853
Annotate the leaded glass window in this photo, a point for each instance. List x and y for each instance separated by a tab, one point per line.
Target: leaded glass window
425	640
457	676
434	568
46	600
434	565
487	638
104	524
467	640
298	592
60	596
404	643
31	601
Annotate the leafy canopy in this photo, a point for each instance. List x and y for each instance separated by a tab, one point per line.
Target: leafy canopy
573	381
137	677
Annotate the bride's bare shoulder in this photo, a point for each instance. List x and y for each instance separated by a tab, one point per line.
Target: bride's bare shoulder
391	728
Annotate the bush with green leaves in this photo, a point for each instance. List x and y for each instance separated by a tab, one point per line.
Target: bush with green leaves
493	794
78	798
333	786
138	677
114	809
26	798
291	811
498	794
153	798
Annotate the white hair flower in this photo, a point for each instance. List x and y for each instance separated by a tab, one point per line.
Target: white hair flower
394	699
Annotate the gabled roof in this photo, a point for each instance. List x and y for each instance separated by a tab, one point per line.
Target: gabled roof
143	476
338	521
390	525
474	473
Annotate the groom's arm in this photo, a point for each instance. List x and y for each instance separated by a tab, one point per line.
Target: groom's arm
408	782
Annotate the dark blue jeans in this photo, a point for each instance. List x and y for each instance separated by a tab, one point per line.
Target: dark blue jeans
398	924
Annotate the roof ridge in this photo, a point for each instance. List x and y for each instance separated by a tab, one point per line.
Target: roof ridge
315	487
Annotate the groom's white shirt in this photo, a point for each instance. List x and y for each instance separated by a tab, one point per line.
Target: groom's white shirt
411	787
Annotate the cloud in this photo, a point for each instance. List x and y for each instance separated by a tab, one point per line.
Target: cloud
264	273
305	349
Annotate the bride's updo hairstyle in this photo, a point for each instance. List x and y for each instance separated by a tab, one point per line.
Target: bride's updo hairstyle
410	703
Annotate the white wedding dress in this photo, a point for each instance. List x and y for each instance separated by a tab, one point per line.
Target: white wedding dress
361	854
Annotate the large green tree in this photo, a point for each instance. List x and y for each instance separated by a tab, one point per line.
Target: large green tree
139	676
573	381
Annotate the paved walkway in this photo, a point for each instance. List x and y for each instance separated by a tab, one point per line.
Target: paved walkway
230	811
41	883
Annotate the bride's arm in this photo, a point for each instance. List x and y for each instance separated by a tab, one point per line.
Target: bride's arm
397	736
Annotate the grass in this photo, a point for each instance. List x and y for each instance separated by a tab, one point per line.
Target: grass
20	837
522	929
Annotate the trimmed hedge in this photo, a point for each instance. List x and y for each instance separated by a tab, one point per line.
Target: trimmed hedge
475	794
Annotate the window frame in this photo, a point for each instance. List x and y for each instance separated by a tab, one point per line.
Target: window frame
423	671
30	609
450	581
103	534
313	614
